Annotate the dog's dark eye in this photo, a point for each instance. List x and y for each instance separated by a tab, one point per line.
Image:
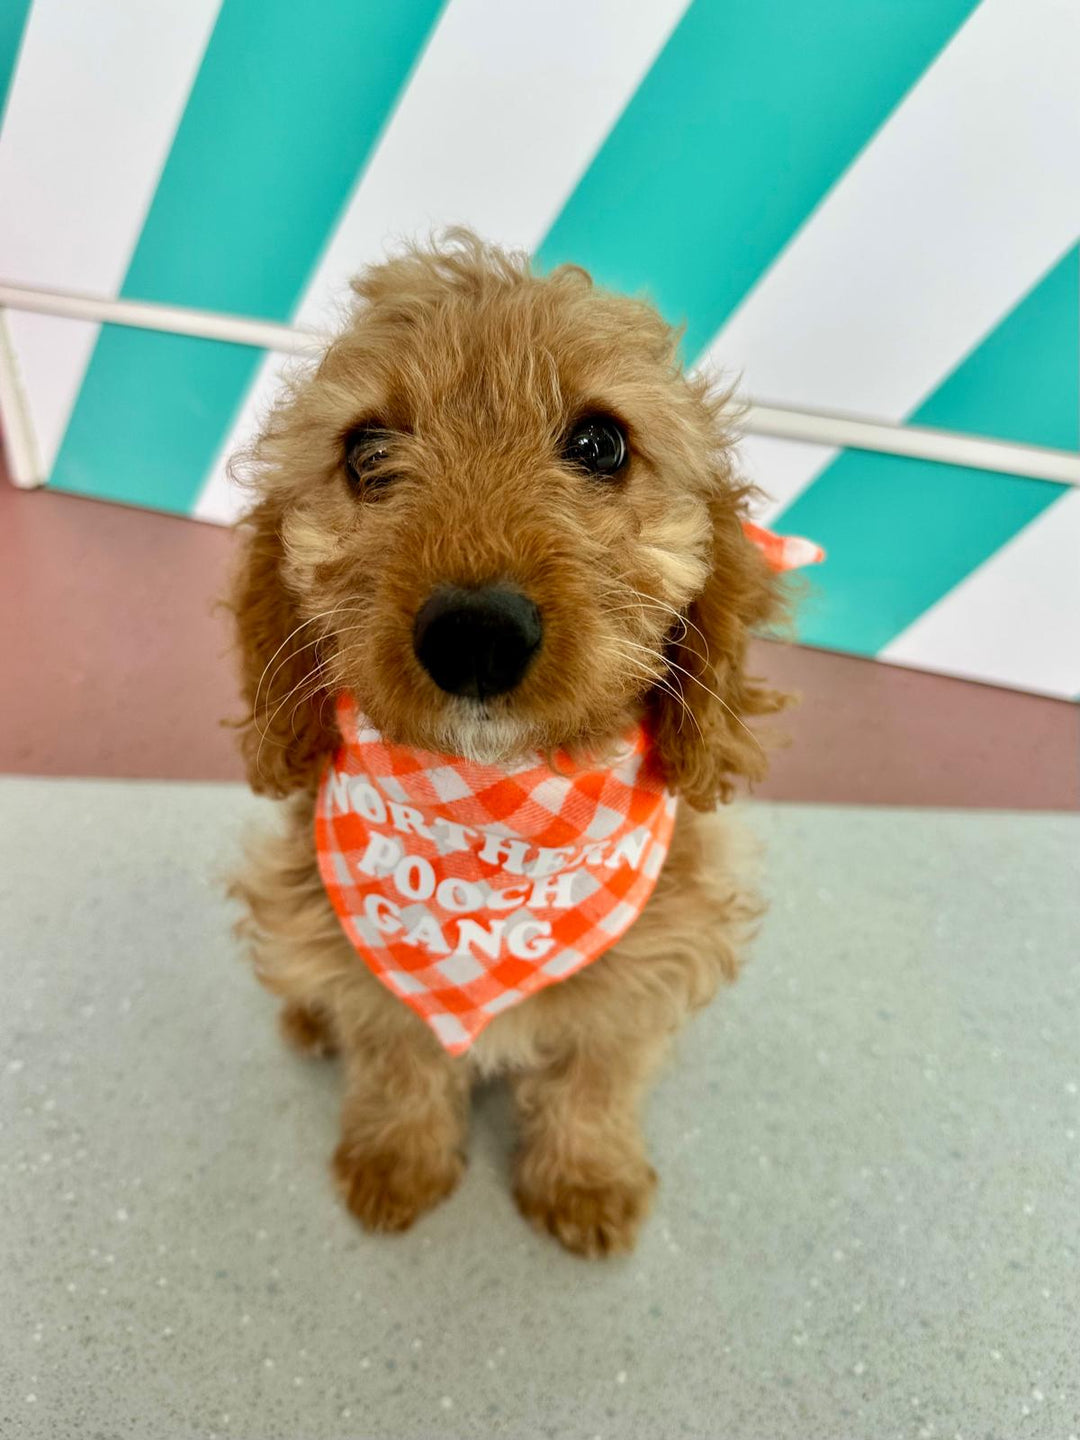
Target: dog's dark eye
597	445
367	458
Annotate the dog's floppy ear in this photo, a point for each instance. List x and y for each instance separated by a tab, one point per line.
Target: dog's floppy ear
288	726
703	750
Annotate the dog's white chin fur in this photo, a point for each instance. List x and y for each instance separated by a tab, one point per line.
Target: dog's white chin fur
482	738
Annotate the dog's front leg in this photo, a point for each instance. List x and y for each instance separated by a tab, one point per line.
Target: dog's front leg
403	1126
582	1171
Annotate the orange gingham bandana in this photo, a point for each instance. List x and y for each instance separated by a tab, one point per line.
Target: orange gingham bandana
466	888
783	552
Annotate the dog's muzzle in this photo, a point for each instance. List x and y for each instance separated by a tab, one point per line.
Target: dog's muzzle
477	642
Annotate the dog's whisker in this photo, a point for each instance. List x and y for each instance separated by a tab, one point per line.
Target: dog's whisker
339	609
640	609
679	615
320	682
333	610
641	602
665	685
318	686
322	706
685	620
652	673
314	674
264	734
319	640
718	698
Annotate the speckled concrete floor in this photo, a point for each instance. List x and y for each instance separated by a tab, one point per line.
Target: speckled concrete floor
870	1152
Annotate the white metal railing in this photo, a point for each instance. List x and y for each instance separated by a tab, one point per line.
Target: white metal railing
948	447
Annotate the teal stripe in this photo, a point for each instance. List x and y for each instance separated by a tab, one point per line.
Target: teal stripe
13	15
284	113
749	116
1023	381
899	534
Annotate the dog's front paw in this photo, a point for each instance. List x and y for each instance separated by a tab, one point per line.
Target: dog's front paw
388	1189
590	1219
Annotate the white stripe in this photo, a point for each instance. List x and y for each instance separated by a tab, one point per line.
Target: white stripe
779	468
95	100
507	107
220	500
967	195
1016	619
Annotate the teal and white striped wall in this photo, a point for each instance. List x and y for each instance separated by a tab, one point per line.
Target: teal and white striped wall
868	208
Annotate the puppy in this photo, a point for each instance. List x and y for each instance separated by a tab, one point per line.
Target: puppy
493	604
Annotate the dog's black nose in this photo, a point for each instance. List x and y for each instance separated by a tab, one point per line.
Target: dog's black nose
477	642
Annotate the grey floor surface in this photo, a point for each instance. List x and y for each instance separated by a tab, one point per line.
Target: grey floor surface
869	1220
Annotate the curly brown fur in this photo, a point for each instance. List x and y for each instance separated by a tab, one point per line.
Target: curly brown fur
475	368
